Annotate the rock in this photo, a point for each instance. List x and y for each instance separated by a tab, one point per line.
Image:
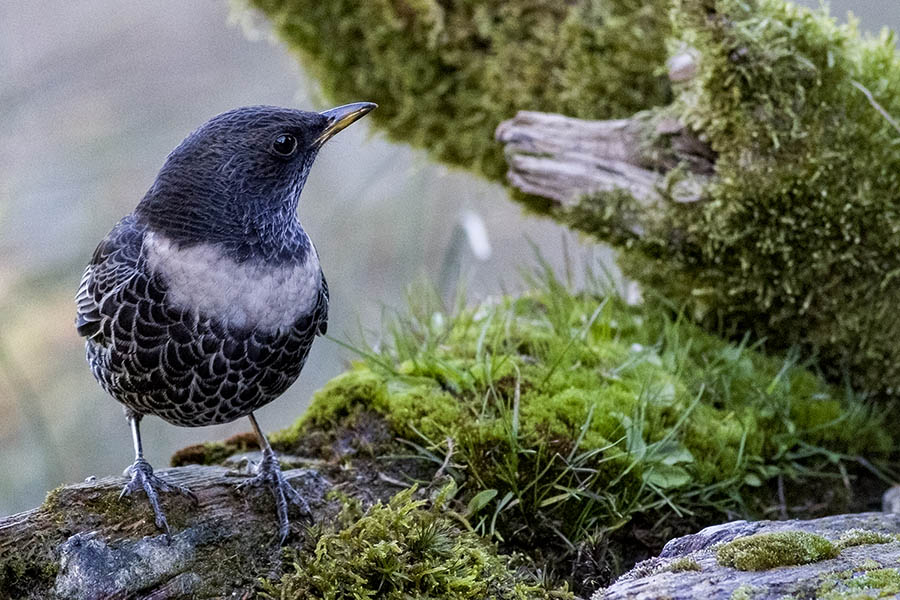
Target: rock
890	501
90	568
852	554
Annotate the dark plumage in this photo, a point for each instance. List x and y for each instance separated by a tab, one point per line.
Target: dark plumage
201	306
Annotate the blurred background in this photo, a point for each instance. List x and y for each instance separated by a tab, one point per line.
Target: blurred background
93	96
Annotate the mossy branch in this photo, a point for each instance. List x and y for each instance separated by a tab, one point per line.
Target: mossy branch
765	198
790	226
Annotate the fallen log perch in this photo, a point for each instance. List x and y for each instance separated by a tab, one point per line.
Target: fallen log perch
84	542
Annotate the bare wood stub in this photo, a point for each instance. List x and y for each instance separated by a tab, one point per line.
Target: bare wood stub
566	159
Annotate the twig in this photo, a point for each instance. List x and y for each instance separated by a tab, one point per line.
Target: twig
440	472
876	105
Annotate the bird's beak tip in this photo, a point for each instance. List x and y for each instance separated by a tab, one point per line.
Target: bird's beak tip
341	117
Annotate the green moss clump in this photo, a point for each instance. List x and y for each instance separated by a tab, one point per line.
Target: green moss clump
682	564
576	411
211	453
403	550
863	537
796	237
20	574
770	550
744	592
861	585
446	73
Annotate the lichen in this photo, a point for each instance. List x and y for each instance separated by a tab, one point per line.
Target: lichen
769	550
445	74
399	550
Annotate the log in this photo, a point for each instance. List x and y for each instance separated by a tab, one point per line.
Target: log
863	555
84	543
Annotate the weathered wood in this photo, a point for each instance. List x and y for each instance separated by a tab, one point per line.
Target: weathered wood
85	543
570	160
670	575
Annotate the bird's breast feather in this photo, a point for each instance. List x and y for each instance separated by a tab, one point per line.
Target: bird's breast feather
249	294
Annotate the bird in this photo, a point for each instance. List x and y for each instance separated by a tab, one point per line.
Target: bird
201	305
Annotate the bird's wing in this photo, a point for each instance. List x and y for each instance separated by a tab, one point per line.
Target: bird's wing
322	308
113	265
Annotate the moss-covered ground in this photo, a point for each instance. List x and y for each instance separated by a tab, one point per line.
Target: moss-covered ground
557	437
587	432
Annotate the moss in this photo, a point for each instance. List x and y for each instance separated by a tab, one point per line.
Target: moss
863	537
211	453
744	592
446	74
402	550
682	564
862	584
51	505
20	574
28	571
770	550
795	239
576	415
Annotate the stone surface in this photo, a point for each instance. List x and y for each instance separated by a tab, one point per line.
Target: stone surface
861	566
91	568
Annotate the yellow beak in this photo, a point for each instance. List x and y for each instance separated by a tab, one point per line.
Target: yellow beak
342	117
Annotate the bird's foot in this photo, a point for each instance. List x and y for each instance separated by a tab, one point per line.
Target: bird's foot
268	473
142	478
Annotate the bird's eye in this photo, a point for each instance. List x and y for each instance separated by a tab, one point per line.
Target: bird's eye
285	144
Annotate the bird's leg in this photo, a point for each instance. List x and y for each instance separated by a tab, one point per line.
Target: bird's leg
268	472
142	477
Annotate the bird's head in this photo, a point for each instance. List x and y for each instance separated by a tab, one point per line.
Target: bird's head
237	178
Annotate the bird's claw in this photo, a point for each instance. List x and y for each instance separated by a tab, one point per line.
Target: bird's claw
142	478
268	473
